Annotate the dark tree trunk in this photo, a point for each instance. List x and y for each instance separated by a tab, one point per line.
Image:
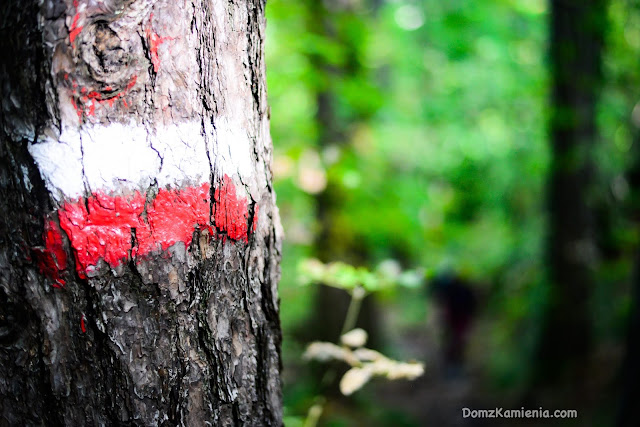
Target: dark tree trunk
630	373
577	30
630	370
139	241
332	242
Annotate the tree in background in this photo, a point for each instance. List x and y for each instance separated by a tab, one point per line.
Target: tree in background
336	24
630	370
139	242
577	34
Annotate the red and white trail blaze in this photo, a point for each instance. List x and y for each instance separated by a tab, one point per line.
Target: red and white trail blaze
116	221
100	172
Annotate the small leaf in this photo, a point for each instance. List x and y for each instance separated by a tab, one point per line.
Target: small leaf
412	279
367	355
324	351
368	280
311	270
353	380
399	370
354	338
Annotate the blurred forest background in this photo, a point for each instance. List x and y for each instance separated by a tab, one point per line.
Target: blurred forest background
485	156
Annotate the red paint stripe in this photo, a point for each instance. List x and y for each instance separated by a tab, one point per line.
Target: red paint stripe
132	82
52	260
100	227
85	102
154	42
230	212
75	106
75	29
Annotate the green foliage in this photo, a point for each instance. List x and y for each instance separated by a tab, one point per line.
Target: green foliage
293	421
344	276
442	161
437	158
445	127
364	362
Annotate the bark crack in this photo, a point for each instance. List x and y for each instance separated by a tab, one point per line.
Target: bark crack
211	166
150	197
85	180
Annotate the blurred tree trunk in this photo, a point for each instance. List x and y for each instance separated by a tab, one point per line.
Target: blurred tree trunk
577	33
630	370
332	242
139	241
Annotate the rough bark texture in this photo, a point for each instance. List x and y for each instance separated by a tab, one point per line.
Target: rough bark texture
186	333
577	30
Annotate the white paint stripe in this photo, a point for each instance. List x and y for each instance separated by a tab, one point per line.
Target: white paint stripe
60	164
120	157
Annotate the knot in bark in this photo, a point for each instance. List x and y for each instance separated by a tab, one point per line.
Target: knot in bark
111	59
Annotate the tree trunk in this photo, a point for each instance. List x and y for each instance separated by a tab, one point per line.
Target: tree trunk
331	243
630	370
577	32
627	412
140	242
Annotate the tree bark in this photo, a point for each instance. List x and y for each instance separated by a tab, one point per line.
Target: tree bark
577	33
140	241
